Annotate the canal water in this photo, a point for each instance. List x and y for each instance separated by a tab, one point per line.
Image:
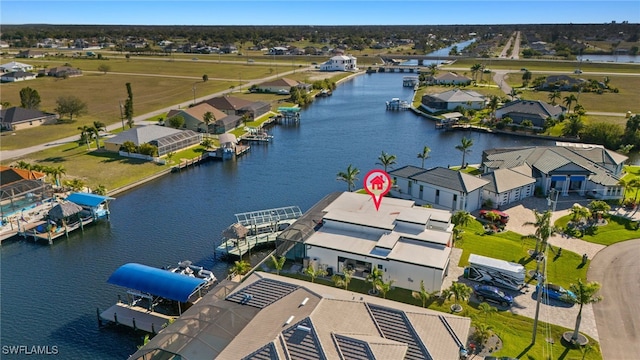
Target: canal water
50	293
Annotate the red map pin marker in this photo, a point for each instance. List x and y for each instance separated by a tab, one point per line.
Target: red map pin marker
377	183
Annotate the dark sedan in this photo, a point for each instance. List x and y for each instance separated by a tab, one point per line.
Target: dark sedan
492	293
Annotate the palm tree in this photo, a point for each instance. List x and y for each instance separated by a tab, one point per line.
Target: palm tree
349	176
433	69
572	127
208	118
568	100
384	287
461	218
553	96
86	134
486	309
465	148
459	292
278	263
314	273
374	278
240	267
75	184
526	77
493	105
424	154
544	230
578	213
386	160
598	208
423	295
22	165
585	294
474	70
482	333
341	281
100	190
57	173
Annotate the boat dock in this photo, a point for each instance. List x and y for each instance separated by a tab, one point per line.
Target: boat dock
135	317
39	231
396	104
255	228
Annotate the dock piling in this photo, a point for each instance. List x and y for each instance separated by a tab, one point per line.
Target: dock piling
133	320
115	318
98	315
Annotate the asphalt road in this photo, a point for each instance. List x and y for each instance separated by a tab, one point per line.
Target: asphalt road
617	316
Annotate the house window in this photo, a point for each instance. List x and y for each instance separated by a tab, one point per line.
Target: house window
421	191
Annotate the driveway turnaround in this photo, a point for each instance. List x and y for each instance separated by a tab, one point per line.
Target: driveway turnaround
616	268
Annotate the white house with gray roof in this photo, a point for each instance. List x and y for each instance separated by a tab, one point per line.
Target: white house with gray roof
408	243
506	186
449	100
535	111
584	169
440	187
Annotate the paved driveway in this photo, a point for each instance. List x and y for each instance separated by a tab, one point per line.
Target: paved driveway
616	268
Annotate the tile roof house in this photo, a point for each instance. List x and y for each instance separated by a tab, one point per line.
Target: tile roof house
17	76
440	187
535	111
584	169
561	82
62	71
231	105
9	175
281	86
449	100
33	54
194	119
18	118
506	186
274	317
15	66
450	78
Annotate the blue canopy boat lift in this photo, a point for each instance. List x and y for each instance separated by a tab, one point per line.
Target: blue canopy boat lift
149	285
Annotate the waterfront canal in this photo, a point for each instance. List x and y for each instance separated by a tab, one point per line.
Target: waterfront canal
50	293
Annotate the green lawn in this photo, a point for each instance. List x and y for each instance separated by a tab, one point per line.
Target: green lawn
514	330
618	229
510	246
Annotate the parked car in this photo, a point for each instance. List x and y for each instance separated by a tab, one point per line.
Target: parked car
577	71
492	293
504	217
557	292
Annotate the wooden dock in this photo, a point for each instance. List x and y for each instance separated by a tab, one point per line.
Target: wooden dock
135	317
238	248
58	232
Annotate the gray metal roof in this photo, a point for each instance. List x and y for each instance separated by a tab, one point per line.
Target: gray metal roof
458	95
450	179
142	134
406	171
534	107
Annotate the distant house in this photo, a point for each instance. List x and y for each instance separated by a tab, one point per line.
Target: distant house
340	63
63	71
194	118
164	138
535	111
561	82
18	118
449	100
30	54
231	105
450	78
278	50
281	86
583	169
17	76
440	187
15	66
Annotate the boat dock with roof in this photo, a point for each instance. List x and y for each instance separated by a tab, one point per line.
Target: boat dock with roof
77	211
152	296
255	228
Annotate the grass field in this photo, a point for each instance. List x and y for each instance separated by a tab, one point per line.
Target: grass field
545	65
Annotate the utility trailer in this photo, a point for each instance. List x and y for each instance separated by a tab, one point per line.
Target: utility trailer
495	272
